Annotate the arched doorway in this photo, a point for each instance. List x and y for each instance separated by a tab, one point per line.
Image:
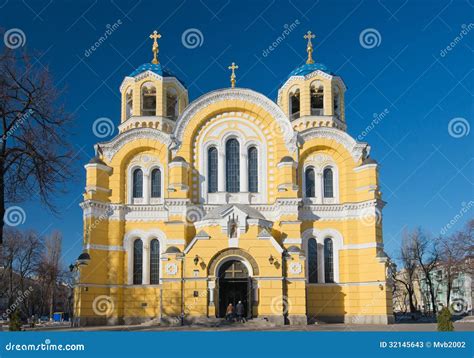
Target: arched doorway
234	284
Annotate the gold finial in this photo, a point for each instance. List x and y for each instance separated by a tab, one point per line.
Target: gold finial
233	67
155	35
309	35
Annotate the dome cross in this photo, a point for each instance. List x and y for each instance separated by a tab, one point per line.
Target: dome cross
233	67
155	36
309	48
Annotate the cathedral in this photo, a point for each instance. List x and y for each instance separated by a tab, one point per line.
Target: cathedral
232	197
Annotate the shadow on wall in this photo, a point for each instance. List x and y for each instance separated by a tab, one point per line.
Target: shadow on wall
326	303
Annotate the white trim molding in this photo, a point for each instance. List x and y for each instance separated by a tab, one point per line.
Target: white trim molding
236	94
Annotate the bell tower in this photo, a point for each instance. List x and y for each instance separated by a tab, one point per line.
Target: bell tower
152	96
312	96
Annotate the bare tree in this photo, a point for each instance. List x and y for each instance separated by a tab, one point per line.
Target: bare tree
408	275
50	267
455	251
34	153
426	256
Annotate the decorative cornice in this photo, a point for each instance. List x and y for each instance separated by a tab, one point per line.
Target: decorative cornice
356	149
127	80
233	94
111	148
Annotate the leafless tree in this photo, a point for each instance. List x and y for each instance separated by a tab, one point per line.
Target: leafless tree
34	152
426	255
50	267
456	253
408	275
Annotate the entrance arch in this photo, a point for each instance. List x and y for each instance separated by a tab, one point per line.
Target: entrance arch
234	284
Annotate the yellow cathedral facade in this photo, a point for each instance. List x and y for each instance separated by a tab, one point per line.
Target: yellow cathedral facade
232	197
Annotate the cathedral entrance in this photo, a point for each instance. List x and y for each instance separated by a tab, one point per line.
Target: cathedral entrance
234	285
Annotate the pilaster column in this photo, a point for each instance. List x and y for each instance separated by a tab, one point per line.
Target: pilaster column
244	172
318	187
146	188
146	263
221	171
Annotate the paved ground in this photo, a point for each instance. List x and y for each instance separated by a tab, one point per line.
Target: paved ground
458	326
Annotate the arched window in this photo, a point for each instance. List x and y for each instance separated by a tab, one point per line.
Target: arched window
312	261
154	262
328	183
232	153
317	99
156	183
253	169
328	261
148	99
294	102
310	183
129	103
337	102
137	183
137	262
212	170
171	103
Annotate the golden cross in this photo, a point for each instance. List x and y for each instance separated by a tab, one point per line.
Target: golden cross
154	36
233	67
309	35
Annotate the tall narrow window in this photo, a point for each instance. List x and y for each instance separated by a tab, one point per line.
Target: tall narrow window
310	183
137	183
137	262
253	169
154	262
212	170
328	183
317	99
312	261
232	153
129	103
171	103
328	261
148	99
156	183
294	104
337	102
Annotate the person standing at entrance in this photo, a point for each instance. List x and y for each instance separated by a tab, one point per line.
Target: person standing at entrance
240	312
229	312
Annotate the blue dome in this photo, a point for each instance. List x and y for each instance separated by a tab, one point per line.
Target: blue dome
156	68
308	68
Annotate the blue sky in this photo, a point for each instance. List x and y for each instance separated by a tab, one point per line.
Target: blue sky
426	173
